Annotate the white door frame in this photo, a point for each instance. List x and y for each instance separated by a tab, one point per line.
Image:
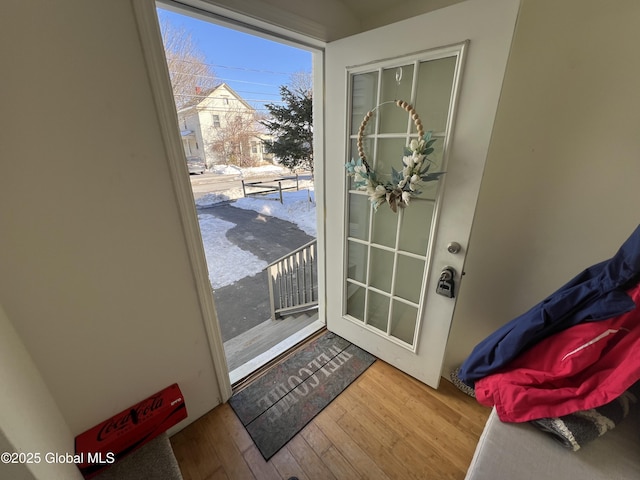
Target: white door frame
153	51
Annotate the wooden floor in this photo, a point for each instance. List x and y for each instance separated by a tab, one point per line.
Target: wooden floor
384	425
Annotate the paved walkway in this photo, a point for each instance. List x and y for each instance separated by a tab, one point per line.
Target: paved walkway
245	303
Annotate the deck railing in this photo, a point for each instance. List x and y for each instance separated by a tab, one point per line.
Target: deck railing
293	281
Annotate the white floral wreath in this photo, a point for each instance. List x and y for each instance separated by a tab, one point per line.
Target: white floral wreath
404	184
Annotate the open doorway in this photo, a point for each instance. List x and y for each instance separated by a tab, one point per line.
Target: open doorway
255	198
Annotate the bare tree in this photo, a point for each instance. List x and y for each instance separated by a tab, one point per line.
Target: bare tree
190	76
301	82
232	139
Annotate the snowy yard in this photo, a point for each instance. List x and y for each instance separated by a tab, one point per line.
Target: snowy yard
228	263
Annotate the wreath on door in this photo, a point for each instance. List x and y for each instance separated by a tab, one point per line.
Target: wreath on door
404	183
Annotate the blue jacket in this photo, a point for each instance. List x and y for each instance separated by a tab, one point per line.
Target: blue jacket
595	294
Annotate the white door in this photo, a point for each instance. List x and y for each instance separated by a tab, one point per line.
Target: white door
383	267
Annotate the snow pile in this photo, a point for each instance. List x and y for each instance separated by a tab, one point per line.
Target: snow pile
266	170
226	170
250	171
227	262
210	199
297	207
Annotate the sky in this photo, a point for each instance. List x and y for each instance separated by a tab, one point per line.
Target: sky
253	67
227	262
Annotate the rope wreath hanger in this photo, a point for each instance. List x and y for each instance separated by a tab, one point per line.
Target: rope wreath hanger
404	184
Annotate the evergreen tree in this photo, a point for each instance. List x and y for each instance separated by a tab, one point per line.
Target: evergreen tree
291	126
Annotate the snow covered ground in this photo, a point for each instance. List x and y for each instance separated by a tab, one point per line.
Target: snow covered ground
228	263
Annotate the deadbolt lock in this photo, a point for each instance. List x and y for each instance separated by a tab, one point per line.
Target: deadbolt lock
454	247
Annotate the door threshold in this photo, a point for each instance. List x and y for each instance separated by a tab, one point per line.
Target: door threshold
241	374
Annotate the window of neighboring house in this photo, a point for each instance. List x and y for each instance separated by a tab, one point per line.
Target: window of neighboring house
185	123
254	147
216	120
225	100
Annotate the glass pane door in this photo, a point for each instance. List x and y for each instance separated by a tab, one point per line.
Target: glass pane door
388	253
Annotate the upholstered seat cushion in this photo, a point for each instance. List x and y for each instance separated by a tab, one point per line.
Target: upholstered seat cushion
508	451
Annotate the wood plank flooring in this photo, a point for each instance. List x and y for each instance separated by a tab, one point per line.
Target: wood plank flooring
385	425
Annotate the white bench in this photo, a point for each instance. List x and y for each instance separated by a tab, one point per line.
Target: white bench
510	451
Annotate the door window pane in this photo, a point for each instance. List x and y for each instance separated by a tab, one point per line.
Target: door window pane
357	261
381	269
434	92
385	226
378	311
409	273
364	98
392	118
389	155
359	212
416	226
355	301
403	322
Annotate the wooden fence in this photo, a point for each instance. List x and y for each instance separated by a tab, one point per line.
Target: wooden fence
270	186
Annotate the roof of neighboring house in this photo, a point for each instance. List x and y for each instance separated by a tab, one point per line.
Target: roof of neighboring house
196	100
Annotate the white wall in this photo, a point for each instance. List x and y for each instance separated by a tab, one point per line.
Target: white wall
14	471
30	421
94	269
560	190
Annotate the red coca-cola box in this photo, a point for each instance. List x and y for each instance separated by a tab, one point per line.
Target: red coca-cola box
110	441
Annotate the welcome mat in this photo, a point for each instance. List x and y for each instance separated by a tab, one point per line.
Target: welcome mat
279	404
